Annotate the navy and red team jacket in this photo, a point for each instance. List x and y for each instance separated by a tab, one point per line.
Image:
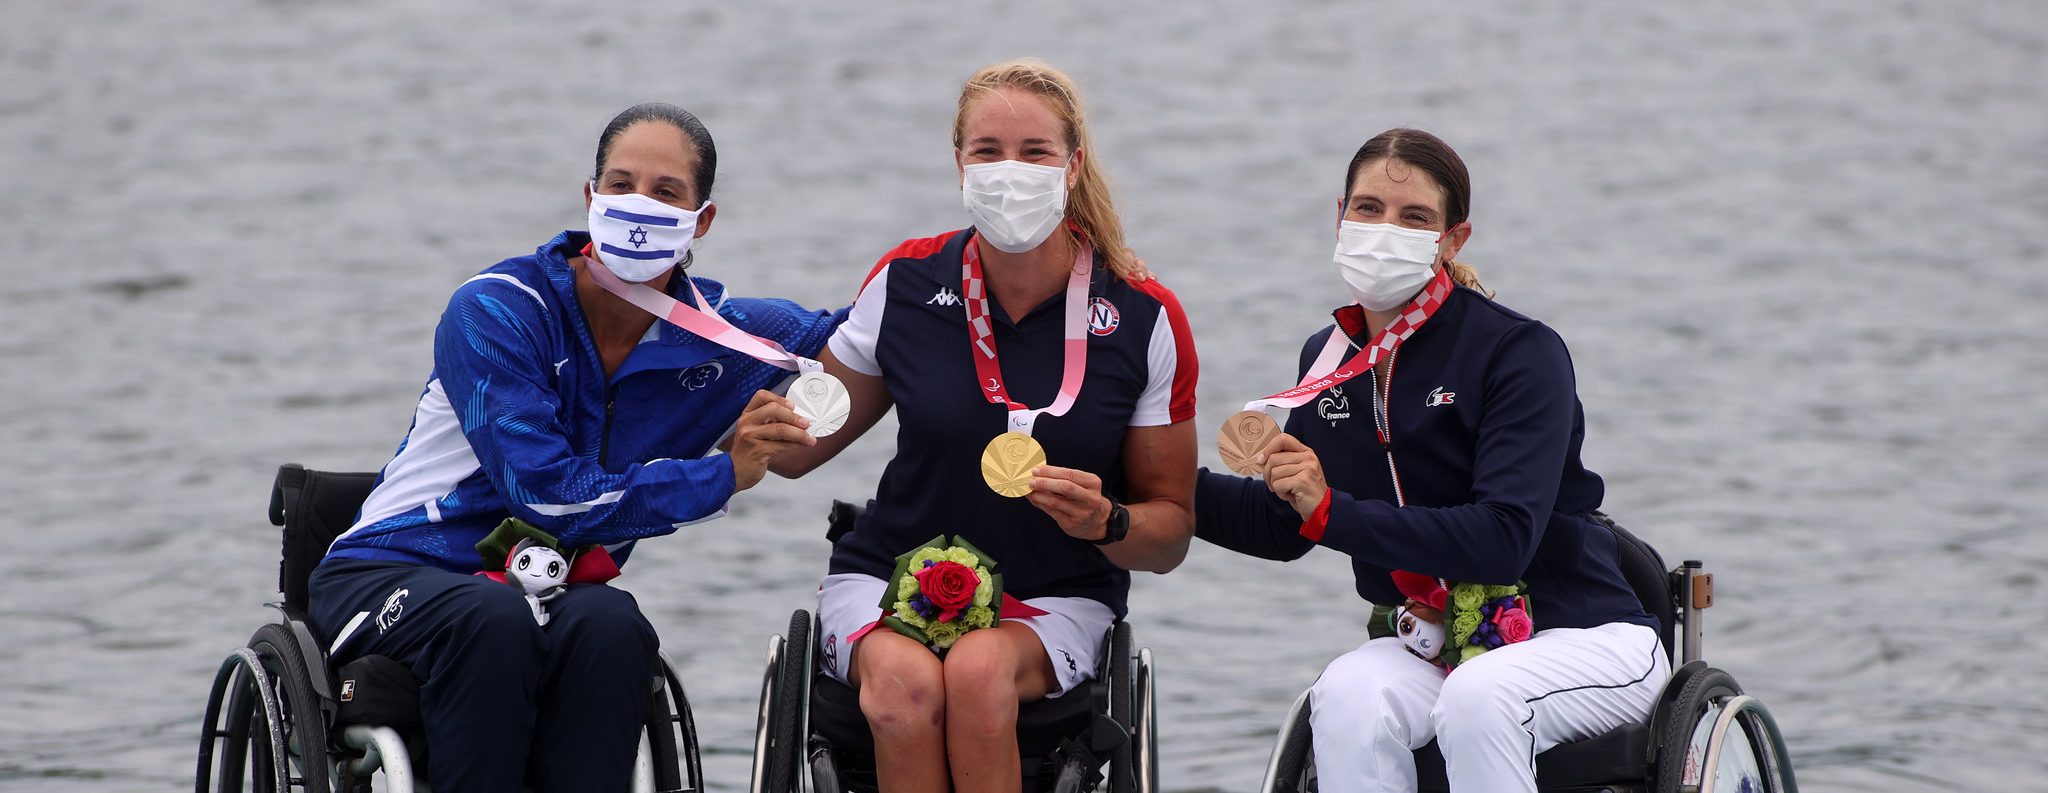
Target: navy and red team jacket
909	327
1485	429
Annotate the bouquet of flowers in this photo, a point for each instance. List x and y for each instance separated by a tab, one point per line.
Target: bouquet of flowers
941	590
1486	616
1477	617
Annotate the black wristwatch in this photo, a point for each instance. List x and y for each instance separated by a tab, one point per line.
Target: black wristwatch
1119	525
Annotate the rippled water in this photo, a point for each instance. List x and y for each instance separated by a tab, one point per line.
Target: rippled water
1797	250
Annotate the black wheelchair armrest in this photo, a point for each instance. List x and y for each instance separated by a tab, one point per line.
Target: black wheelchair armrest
840	520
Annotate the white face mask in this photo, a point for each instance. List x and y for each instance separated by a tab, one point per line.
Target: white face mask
1385	264
639	238
1015	205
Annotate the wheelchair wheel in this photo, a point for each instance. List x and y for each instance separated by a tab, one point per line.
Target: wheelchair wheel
1713	738
273	721
778	746
1122	777
1145	732
1292	767
672	735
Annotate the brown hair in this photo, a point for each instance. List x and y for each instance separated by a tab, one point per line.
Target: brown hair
1428	152
1089	207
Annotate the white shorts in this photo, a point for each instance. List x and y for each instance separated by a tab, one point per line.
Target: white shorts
1072	629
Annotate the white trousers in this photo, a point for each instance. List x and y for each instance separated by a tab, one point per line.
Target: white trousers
1071	629
1491	716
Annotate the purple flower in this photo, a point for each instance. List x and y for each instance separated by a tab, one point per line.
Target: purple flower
923	606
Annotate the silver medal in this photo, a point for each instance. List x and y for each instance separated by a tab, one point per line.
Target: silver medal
821	399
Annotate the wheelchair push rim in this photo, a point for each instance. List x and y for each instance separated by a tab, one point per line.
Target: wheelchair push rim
262	711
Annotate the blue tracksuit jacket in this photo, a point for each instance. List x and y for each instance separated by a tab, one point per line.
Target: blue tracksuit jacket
519	419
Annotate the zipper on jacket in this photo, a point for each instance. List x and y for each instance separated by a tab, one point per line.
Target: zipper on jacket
1383	424
604	439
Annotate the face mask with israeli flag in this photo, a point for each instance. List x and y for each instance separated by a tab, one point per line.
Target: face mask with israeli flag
639	238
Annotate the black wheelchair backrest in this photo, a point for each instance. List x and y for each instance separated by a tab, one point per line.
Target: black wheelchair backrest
1648	576
314	507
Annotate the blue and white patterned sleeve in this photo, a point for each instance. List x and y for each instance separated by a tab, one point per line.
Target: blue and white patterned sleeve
492	355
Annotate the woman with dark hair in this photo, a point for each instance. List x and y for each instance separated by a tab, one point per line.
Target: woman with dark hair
558	401
1435	441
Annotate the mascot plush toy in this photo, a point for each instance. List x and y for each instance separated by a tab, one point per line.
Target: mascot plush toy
539	573
519	554
1420	621
1423	636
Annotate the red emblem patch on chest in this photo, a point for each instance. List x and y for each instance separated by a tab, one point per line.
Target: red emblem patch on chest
1103	317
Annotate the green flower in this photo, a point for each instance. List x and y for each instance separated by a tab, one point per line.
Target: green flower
1462	627
1497	591
984	592
907	614
923	555
1467	598
979	617
905	587
1470	652
962	557
944	634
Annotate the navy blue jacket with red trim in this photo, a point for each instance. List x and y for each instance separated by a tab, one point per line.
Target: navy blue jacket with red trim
1485	430
909	327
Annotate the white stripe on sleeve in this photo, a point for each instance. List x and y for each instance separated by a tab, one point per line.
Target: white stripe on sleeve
853	343
1155	403
559	510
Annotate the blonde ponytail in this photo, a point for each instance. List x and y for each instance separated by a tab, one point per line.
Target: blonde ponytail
1467	276
1089	206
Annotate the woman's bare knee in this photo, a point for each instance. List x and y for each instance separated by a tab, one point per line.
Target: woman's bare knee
902	686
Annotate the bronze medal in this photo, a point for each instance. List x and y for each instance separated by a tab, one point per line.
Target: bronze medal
1244	435
1007	462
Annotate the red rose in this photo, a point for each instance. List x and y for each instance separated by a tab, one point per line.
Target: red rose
948	585
1514	624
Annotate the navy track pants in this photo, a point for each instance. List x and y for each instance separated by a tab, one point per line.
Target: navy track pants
505	701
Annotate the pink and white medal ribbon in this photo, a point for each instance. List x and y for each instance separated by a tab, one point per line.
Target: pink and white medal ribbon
1007	462
1247	432
819	397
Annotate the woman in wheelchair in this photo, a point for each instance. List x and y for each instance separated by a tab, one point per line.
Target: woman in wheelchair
1452	458
559	403
1025	321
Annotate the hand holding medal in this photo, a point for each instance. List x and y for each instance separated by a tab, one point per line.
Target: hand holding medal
1249	432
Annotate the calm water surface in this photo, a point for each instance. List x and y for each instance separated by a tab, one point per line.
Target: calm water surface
1797	250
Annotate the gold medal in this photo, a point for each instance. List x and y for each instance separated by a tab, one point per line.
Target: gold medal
1007	462
1244	435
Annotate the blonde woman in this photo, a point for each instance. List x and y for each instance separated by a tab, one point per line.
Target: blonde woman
1024	323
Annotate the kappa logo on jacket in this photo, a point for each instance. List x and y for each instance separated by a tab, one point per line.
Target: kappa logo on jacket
1334	406
945	297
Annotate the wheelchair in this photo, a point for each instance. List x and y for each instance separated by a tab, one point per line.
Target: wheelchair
278	718
1704	734
811	737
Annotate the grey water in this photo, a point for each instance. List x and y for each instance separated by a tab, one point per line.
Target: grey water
1797	251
